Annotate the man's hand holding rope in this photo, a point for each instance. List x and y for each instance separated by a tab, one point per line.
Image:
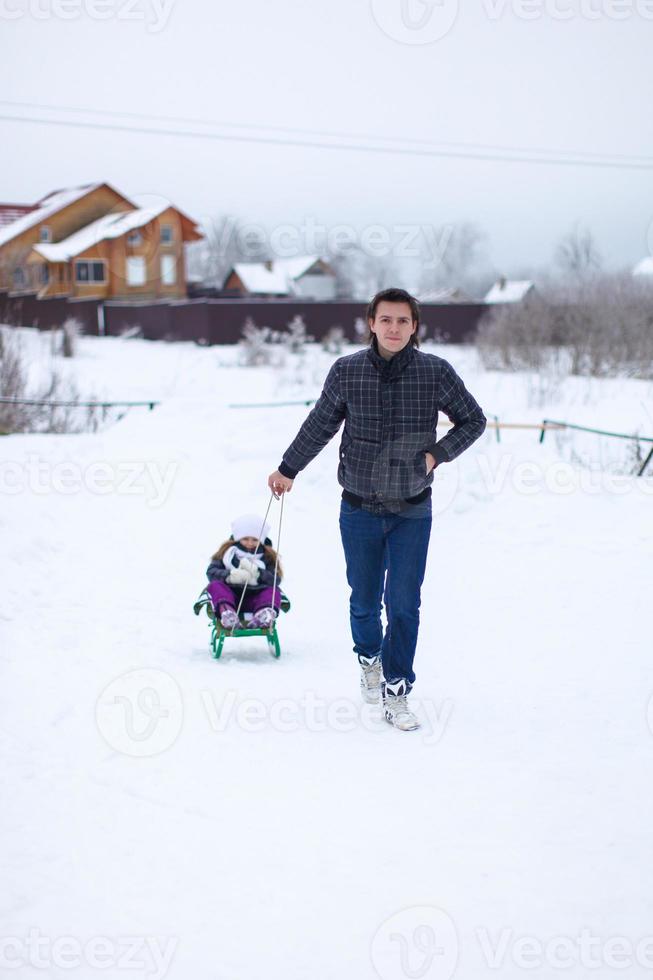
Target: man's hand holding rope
279	484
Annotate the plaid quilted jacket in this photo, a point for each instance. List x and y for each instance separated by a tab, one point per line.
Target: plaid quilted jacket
390	410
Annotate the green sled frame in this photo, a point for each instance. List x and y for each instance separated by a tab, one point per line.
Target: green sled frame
219	634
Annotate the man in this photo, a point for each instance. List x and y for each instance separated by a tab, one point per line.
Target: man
389	396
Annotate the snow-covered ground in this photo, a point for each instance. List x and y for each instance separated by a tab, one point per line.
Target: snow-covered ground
248	818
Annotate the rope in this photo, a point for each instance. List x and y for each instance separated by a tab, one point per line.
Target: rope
276	562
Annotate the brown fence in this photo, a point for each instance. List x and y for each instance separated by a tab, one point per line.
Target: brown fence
221	321
28	311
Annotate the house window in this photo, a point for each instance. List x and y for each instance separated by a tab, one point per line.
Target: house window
89	272
166	235
135	270
168	270
45	274
45	234
20	280
134	238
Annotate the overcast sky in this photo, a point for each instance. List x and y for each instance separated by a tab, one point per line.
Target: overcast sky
557	75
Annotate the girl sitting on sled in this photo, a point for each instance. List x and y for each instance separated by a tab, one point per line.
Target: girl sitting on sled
244	564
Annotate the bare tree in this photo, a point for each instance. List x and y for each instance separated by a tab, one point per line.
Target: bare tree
577	255
461	257
360	275
226	241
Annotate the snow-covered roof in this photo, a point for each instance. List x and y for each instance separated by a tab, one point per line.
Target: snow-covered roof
509	291
109	226
447	294
296	267
257	278
645	267
44	209
277	280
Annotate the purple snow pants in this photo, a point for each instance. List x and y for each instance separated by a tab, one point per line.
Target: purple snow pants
221	592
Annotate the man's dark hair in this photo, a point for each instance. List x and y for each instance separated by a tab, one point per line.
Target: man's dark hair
394	296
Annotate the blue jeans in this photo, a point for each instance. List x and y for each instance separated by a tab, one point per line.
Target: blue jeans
386	558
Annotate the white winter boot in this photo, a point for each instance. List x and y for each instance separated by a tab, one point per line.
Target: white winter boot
370	679
396	708
263	619
228	618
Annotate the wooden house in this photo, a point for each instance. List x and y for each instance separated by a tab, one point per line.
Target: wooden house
93	242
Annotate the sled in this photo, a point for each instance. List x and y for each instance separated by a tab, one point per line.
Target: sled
219	633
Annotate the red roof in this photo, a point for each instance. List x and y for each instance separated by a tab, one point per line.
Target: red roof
10	212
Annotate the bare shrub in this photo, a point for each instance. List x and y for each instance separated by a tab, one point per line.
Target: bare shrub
607	326
598	327
296	338
39	415
71	330
13	383
333	340
518	336
255	349
129	331
63	339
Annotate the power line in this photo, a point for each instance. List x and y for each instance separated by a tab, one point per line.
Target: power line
329	134
325	145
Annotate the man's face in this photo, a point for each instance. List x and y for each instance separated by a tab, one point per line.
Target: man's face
393	326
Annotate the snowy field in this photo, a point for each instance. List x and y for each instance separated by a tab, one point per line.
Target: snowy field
168	815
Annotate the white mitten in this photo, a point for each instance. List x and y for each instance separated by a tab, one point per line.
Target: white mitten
252	568
238	576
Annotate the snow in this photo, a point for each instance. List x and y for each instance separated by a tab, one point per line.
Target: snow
645	267
109	226
257	278
296	266
248	817
47	207
509	291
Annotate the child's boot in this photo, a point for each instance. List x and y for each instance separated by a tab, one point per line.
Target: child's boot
229	617
263	619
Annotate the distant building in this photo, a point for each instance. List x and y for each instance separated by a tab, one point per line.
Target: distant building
10	212
645	267
305	277
447	294
509	291
93	242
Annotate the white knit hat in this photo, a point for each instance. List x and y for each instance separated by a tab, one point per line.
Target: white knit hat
250	526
